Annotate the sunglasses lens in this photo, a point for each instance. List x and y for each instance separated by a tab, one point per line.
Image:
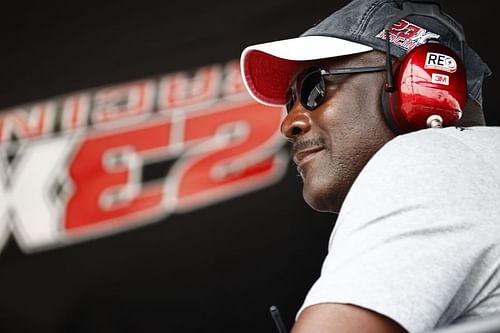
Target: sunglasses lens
312	89
291	100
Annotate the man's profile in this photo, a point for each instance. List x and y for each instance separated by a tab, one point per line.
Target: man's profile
384	115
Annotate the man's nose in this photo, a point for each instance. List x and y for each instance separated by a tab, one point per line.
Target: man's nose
296	123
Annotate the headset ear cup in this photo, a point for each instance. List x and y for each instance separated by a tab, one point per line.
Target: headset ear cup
430	84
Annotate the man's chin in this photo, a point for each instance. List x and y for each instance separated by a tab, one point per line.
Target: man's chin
321	203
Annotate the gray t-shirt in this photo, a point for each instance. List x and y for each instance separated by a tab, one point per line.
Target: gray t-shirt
418	236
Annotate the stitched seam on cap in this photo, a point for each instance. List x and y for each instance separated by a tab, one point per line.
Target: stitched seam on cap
367	15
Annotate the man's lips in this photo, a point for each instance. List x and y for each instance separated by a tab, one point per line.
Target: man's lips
302	156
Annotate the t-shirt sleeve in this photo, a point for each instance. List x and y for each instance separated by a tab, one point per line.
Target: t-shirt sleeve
406	241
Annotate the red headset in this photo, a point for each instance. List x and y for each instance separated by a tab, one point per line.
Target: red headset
428	88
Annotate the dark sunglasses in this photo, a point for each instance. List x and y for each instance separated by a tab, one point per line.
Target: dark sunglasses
312	88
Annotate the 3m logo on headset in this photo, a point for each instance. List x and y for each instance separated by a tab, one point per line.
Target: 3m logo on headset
440	79
441	62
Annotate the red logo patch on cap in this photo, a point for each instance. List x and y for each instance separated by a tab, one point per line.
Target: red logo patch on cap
407	35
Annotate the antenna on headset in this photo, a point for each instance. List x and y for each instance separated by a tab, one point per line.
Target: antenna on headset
275	313
389	84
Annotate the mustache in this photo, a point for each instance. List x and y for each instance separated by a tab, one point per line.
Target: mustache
305	144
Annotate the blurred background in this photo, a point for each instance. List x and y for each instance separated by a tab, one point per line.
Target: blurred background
141	189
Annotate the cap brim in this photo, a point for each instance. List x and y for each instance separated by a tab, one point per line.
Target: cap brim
267	69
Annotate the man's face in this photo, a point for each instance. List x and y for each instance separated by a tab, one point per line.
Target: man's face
332	143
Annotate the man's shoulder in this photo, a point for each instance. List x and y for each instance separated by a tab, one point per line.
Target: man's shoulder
428	160
467	135
451	167
457	143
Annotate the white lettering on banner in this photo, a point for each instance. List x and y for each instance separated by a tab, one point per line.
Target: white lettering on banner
180	90
227	161
125	158
127	102
21	123
114	158
118	105
74	112
28	204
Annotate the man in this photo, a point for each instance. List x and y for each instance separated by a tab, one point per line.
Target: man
416	244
